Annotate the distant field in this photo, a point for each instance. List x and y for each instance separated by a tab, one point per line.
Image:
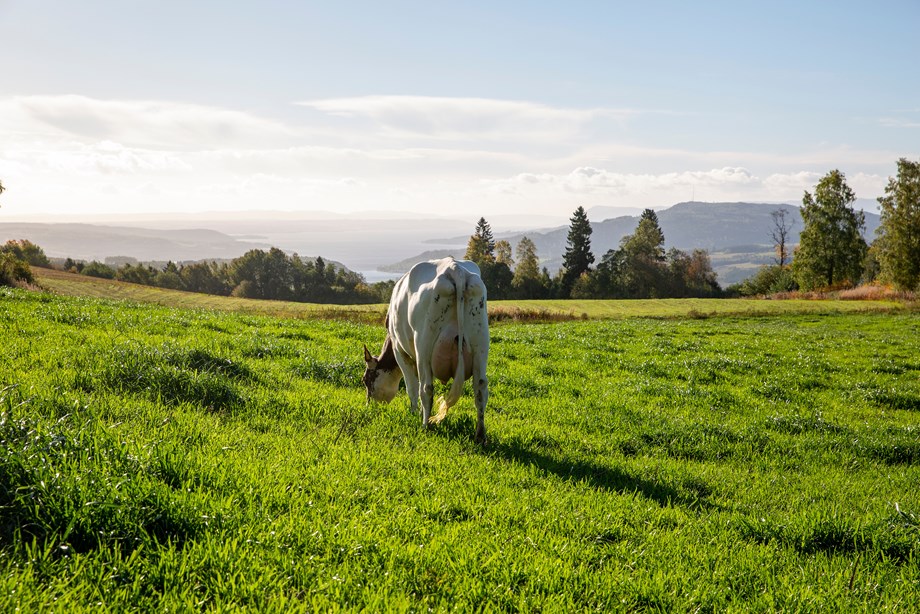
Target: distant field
69	284
158	459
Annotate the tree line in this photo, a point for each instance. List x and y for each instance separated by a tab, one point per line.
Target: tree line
259	274
639	268
832	253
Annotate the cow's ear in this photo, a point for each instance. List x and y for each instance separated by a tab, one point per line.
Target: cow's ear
367	356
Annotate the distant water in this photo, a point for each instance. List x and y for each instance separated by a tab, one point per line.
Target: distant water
375	276
361	246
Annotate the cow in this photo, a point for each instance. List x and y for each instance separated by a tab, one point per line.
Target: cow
437	327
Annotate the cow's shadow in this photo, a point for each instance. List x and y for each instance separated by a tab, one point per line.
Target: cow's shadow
516	450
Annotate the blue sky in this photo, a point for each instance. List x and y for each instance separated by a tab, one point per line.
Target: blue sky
475	107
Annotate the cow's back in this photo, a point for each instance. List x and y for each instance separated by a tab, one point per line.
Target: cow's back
423	303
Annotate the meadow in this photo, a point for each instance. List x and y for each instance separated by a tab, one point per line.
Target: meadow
71	284
157	458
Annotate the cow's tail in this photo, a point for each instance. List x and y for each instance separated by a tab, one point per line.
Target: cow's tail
459	276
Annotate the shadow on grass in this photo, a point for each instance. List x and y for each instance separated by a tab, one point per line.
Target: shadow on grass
690	494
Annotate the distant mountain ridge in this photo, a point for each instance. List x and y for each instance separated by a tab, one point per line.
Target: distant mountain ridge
97	242
737	236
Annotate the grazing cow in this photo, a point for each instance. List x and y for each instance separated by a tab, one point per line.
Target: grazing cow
437	327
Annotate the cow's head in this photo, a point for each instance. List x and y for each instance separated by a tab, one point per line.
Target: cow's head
381	374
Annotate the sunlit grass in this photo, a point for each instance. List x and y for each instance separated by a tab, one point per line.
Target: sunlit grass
520	310
158	459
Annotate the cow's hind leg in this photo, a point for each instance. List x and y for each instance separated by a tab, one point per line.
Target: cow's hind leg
481	386
426	390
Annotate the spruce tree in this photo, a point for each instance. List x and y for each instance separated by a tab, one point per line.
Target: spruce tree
644	267
578	257
481	246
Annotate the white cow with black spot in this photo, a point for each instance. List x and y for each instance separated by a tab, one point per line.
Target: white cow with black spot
437	327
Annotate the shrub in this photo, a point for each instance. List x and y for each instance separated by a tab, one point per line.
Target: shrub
98	269
26	251
768	280
13	271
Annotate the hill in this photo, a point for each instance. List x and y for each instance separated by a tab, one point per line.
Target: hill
98	242
736	235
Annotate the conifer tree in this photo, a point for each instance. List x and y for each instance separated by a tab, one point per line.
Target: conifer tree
481	246
644	267
578	257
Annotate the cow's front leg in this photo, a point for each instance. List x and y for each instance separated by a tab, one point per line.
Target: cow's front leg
409	371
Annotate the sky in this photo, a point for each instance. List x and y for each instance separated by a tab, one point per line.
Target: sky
447	108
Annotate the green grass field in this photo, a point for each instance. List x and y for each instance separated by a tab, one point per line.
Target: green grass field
70	284
155	459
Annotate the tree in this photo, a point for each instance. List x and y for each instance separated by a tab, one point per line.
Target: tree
526	280
578	257
135	274
497	277
204	277
14	271
644	269
503	253
610	274
701	279
481	246
782	225
98	269
23	249
898	244
831	247
269	275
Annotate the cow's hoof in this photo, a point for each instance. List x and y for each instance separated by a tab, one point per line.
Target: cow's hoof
481	438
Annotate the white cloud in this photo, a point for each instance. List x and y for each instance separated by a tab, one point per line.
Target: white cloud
375	152
590	180
898	122
105	157
144	123
596	186
464	119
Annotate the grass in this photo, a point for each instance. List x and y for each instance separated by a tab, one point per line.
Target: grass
154	458
71	284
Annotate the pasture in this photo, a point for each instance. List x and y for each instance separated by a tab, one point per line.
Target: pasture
71	284
154	458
